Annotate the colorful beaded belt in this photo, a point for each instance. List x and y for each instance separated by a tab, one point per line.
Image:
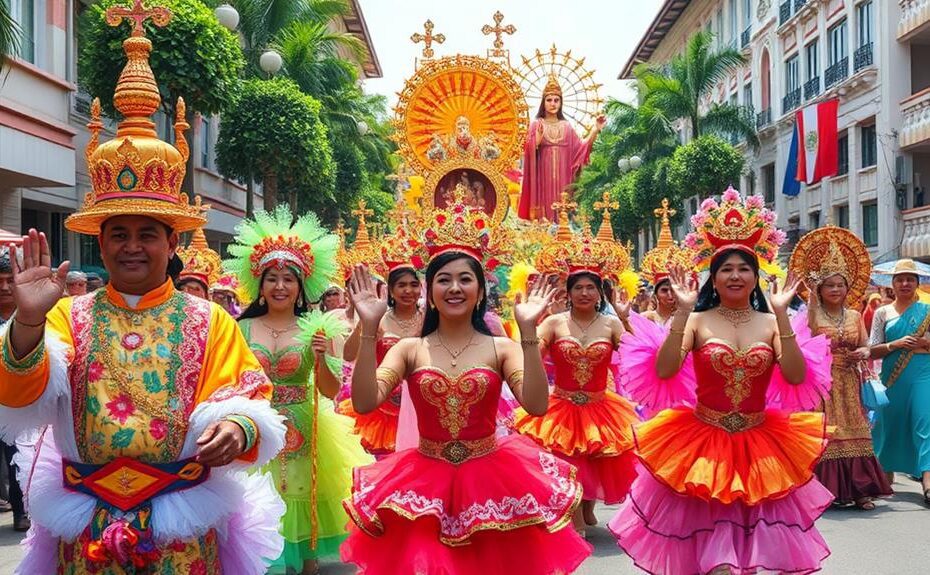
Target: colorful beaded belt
458	450
732	421
127	483
578	397
285	394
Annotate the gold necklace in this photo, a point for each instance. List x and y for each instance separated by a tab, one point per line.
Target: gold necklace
736	317
276	333
838	323
584	330
406	325
455	354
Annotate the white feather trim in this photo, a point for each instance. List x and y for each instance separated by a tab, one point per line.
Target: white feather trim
61	512
54	400
270	424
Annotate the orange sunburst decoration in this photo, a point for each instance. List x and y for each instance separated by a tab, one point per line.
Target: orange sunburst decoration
461	107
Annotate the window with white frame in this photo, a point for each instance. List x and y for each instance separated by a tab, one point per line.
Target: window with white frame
205	142
838	48
812	56
747	13
792	74
24	14
864	24
734	21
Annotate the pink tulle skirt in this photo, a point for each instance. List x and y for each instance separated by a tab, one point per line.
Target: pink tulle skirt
666	532
418	514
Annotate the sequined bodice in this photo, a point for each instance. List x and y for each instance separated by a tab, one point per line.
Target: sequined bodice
459	407
581	367
288	366
386	342
730	379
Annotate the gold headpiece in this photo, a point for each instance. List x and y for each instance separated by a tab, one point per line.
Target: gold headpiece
460	228
200	262
830	251
552	87
362	250
135	173
658	262
403	247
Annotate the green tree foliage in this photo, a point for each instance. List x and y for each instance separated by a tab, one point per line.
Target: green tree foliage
704	166
193	57
9	32
273	134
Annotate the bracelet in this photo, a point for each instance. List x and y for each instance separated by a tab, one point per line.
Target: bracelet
526	342
676	331
786	336
248	428
24	324
371	337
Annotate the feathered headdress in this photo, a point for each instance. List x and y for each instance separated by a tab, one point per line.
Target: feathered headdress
734	223
461	228
270	241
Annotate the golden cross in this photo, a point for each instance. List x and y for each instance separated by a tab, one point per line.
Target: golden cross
428	38
400	213
341	232
606	205
664	212
564	206
498	30
361	212
138	14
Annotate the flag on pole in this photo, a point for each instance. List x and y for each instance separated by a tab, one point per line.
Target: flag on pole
791	185
818	156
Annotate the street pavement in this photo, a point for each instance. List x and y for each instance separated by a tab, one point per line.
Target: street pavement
891	540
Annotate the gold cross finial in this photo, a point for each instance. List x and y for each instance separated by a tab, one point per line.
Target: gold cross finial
664	212
498	31
606	231
606	204
341	232
138	14
665	231
362	212
428	38
399	214
563	208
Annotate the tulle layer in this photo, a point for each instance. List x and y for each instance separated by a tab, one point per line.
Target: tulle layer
412	547
515	486
377	429
818	378
763	462
597	428
852	478
665	532
606	479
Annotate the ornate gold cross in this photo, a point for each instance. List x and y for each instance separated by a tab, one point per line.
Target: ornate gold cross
428	38
138	14
400	213
498	31
664	212
606	205
362	212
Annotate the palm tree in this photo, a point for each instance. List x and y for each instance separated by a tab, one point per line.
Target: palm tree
9	33
675	91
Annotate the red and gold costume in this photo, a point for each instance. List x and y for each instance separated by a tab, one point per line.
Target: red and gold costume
201	263
730	481
128	384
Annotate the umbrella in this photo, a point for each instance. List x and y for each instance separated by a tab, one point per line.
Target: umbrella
881	273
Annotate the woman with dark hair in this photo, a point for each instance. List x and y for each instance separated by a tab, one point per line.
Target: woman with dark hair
726	485
282	267
463	501
586	424
378	428
553	155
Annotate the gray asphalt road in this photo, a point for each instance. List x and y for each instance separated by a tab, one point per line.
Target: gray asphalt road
891	540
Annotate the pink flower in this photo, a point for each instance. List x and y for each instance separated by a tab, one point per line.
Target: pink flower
778	237
709	204
198	567
121	408
94	371
691	241
158	429
697	220
768	216
755	202
731	195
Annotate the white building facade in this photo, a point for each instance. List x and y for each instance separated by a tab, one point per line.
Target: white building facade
872	56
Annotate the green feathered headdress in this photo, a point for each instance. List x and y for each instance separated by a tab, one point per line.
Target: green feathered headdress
270	240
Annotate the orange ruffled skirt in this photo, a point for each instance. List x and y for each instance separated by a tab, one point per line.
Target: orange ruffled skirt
377	429
596	437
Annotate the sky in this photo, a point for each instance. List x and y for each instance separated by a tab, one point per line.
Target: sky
605	32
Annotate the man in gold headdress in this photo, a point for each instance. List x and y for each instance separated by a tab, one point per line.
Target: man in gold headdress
155	402
202	266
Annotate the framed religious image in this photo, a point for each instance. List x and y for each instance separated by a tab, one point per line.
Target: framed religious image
479	184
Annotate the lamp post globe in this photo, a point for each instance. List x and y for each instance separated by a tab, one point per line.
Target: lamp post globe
635	162
362	127
270	62
227	16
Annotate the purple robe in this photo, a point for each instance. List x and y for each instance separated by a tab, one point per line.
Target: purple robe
549	168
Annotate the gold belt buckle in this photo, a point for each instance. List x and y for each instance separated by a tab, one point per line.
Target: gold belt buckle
579	398
455	452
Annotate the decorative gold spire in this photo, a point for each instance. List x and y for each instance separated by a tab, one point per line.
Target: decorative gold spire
665	232
563	208
606	231
362	240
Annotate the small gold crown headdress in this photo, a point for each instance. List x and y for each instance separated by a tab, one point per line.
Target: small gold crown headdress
460	228
552	87
200	262
658	262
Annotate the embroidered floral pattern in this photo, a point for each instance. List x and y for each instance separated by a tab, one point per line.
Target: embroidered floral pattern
584	359
251	384
454	397
121	408
739	367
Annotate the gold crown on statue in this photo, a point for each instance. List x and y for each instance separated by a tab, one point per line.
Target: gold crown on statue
552	87
460	228
658	262
136	173
200	262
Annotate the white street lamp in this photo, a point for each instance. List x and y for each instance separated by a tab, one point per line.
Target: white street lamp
362	127
270	62
635	162
631	163
623	164
227	16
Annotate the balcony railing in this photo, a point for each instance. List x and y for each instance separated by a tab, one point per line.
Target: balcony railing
915	14
745	36
798	4
812	88
915	127
836	73
863	58
763	118
791	101
784	12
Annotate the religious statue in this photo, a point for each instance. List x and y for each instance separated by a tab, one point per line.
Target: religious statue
553	154
436	151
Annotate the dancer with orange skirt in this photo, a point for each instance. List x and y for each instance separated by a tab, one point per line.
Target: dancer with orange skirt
586	424
728	486
464	501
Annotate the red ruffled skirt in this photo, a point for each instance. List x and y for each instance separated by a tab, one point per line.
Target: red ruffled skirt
418	514
377	429
707	497
596	437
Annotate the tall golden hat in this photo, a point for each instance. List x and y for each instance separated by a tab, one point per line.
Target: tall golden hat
136	173
552	87
200	262
658	262
551	258
830	251
362	250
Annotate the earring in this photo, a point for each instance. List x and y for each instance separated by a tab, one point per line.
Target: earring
261	300
755	300
714	295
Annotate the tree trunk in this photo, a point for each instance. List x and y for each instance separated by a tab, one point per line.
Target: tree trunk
249	197
270	191
292	201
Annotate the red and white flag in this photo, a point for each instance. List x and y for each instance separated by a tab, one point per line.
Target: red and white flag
819	153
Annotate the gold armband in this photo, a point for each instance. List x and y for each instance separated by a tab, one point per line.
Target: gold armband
388	377
515	378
